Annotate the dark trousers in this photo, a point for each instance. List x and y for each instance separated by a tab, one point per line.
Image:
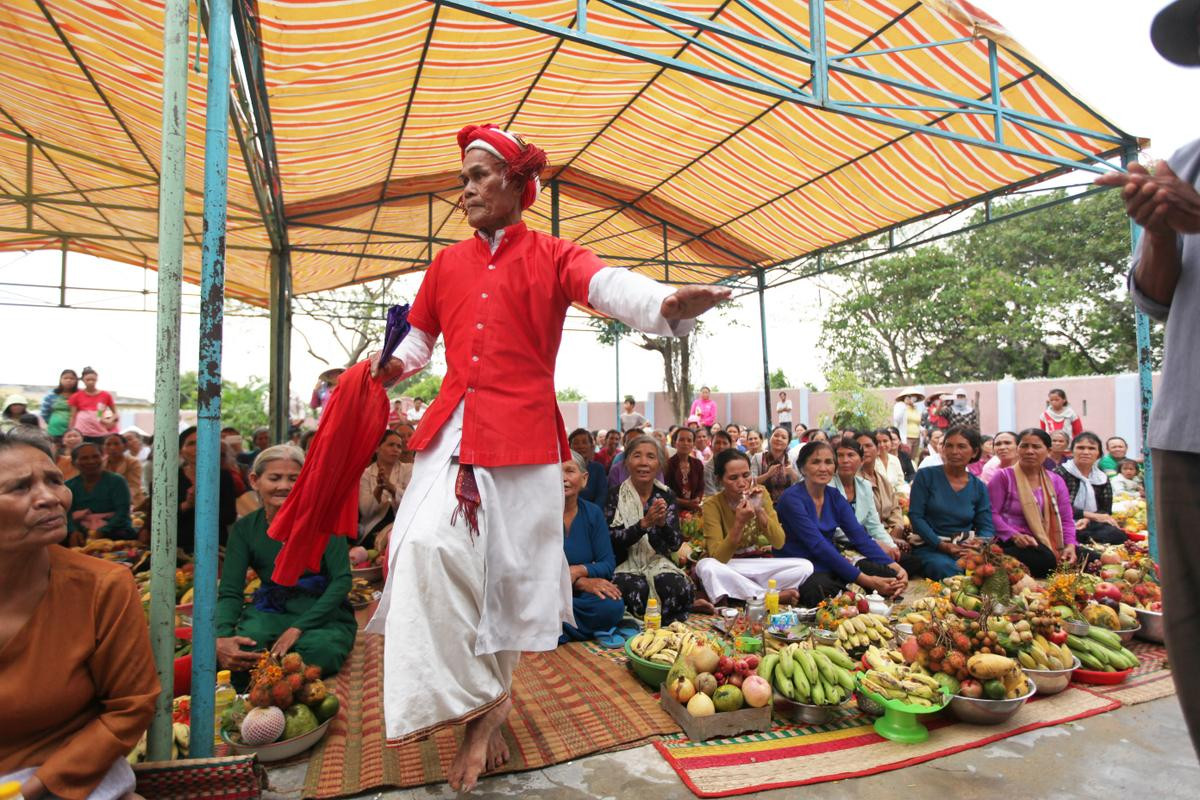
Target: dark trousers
1040	560
821	585
1101	533
1177	505
675	594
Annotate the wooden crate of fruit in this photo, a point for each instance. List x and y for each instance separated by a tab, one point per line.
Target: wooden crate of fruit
721	724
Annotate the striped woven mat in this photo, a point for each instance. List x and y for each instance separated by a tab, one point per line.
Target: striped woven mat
848	747
566	703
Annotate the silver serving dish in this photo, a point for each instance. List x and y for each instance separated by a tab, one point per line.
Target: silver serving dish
803	713
1128	634
1075	627
1051	681
977	711
1152	626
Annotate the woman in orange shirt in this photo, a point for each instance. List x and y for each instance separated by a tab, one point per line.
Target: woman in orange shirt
76	696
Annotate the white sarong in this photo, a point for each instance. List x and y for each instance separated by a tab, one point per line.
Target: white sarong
743	578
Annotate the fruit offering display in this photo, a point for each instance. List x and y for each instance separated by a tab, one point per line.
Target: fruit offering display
832	611
1101	650
992	572
1046	655
706	681
994	677
890	678
690	525
362	558
943	644
1130	513
286	699
361	593
121	550
181	733
819	676
664	645
863	630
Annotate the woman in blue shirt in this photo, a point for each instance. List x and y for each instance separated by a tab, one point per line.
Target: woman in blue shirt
947	501
596	600
811	512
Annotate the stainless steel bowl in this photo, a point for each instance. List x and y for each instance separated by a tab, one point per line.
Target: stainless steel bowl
802	712
823	636
1128	634
1076	627
1051	681
977	711
1152	625
903	631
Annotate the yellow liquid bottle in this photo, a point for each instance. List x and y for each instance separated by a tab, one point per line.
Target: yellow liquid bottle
772	599
224	698
10	790
653	617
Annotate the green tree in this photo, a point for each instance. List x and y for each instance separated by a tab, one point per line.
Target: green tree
1039	295
854	405
423	384
570	395
355	315
243	406
778	380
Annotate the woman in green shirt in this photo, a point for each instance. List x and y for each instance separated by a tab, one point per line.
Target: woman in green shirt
100	499
55	408
313	617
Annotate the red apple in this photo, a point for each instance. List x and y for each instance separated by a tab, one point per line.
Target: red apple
739	666
971	688
725	665
1058	636
736	679
863	605
1106	589
752	662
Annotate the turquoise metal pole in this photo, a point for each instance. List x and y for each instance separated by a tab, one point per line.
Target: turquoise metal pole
1145	385
762	323
617	354
820	51
208	435
171	187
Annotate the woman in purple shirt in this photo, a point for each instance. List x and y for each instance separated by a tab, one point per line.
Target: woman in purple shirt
1031	526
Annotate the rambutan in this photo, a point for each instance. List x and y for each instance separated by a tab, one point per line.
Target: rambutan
292	663
295	681
281	695
312	672
260	696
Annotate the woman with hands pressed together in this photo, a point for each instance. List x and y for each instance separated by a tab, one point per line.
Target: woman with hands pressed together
739	521
313	617
596	600
811	512
772	468
645	532
1031	509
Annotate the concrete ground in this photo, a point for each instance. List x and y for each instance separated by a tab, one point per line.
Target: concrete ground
1135	751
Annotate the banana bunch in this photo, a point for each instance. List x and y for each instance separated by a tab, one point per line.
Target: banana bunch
889	677
1045	655
863	630
822	676
664	645
1101	650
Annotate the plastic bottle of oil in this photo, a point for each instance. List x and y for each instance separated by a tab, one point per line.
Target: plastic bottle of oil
10	790
653	617
224	698
772	599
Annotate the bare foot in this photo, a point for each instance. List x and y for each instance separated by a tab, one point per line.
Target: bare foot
471	760
497	755
789	597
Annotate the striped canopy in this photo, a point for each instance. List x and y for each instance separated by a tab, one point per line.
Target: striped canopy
693	141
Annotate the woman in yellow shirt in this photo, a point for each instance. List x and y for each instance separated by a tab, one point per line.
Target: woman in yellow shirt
739	522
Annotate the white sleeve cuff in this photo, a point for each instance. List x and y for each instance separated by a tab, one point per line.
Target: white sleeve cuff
635	300
414	352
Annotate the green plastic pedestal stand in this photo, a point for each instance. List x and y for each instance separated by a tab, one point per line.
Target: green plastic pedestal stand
901	726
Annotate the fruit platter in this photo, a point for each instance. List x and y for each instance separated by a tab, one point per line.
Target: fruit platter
287	710
809	681
362	593
904	692
712	693
366	564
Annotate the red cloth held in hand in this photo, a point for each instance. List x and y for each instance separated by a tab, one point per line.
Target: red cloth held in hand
324	501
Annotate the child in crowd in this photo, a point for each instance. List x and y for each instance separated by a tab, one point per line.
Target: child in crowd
1128	479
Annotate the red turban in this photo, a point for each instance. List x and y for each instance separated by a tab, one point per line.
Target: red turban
525	161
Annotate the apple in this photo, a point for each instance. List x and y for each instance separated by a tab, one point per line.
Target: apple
739	666
1058	636
1106	589
736	679
1110	557
971	688
724	665
863	605
752	662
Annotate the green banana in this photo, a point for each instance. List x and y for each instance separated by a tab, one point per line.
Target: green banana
766	667
836	656
783	683
825	667
1105	637
802	686
846	681
807	663
818	694
786	661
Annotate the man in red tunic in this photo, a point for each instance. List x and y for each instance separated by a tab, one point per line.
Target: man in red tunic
477	570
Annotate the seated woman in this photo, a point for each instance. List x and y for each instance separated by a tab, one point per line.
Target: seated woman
77	679
891	515
595	490
810	513
772	468
899	451
1091	493
947	502
1060	449
685	472
595	599
62	456
721	441
888	465
227	493
118	460
851	485
734	519
382	485
1004	454
1032	510
100	499
312	617
645	532
986	450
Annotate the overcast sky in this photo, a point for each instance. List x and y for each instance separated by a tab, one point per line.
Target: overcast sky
1099	48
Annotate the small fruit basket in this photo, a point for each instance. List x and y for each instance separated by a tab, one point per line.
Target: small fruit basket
981	711
899	721
700	718
1051	681
652	673
366	564
287	710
